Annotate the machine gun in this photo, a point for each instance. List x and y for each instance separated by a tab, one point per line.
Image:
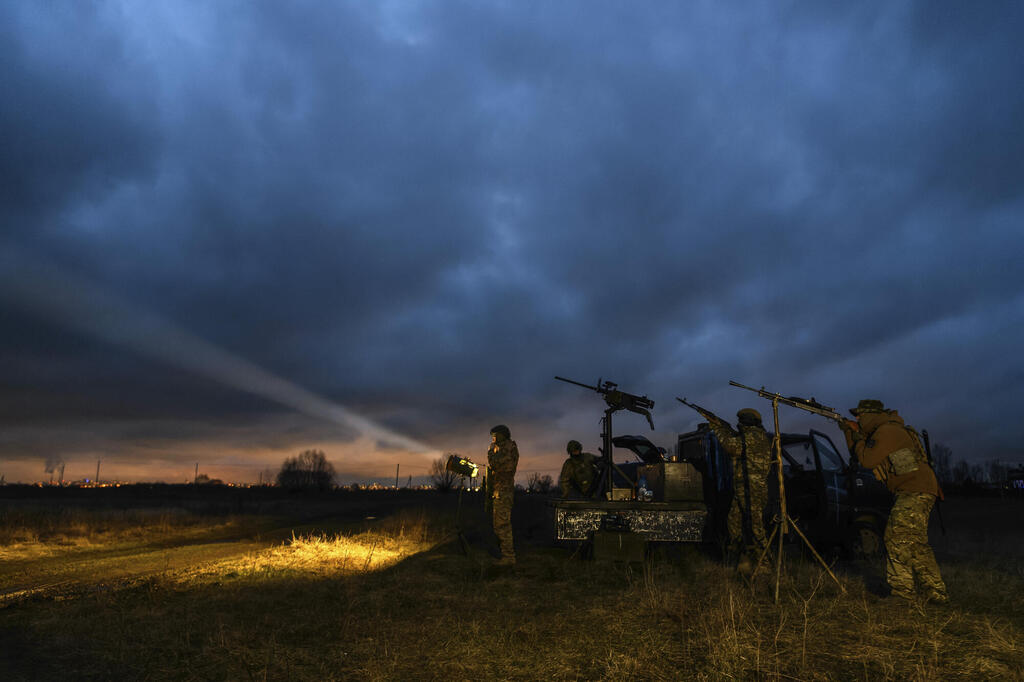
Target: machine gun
809	404
620	400
616	400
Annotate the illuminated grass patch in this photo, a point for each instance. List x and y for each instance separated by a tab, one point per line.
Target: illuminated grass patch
331	554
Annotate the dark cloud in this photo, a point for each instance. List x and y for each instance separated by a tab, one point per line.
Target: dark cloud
424	213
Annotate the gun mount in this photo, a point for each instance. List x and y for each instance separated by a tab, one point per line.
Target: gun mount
616	400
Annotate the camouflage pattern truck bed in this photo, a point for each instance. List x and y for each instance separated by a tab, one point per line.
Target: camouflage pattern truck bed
655	521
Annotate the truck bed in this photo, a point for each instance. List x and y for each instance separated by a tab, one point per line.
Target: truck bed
655	521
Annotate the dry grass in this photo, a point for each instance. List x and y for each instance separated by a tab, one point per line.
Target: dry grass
388	599
378	546
28	534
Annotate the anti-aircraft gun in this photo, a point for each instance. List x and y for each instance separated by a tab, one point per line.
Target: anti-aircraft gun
616	400
655	499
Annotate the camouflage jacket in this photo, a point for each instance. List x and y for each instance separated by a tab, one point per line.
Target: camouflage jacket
887	446
578	472
758	447
502	460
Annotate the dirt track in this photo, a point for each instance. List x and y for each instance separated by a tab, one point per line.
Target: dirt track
82	570
99	569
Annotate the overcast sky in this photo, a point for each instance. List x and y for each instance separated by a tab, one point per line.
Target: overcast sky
234	231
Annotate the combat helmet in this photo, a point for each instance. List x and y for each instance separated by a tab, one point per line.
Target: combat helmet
573	445
502	431
867	405
748	416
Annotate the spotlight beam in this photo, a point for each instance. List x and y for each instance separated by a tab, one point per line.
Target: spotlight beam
45	290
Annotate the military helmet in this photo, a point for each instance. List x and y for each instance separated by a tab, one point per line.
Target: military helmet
748	416
868	406
573	445
502	430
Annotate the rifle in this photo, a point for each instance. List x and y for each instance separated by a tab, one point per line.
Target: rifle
931	463
620	400
809	404
707	414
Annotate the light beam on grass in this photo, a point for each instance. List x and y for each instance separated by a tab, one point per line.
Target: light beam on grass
45	290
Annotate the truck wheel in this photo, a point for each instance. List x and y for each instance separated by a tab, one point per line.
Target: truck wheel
864	540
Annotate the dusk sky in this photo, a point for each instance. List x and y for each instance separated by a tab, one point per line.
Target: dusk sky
235	231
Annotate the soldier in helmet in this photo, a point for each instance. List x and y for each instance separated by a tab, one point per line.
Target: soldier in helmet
502	459
883	443
750	448
578	472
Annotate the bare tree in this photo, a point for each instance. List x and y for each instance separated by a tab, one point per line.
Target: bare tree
942	457
997	472
443	479
309	469
961	472
539	484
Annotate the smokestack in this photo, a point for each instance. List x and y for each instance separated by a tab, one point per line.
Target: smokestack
62	474
96	481
396	475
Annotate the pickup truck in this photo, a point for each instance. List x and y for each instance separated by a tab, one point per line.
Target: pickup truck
685	496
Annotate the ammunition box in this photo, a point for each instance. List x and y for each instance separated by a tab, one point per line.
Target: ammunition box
619	494
618	546
674	482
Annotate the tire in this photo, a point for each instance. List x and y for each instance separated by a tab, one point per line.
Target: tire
865	540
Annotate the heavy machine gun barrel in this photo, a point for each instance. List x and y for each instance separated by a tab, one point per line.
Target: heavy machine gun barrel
619	400
808	404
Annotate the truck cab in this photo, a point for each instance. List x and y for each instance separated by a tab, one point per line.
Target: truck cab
834	501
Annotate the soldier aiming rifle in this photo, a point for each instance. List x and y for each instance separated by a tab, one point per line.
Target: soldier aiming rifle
749	447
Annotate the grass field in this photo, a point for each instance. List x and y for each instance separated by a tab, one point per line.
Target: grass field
392	597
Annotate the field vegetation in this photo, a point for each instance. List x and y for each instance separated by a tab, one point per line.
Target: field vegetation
379	589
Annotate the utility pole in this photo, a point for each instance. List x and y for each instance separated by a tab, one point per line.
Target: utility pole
96	481
62	474
396	475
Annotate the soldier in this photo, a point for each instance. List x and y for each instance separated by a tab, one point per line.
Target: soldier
750	448
883	443
578	472
502	459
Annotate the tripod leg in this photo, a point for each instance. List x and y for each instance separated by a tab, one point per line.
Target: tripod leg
764	552
816	555
463	542
778	559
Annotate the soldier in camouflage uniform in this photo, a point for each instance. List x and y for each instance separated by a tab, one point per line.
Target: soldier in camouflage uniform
751	450
578	472
883	443
502	459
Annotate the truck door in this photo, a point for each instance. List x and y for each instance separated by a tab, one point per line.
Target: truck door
835	492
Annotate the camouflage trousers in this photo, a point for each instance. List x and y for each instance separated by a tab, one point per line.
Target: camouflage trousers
906	544
501	519
738	541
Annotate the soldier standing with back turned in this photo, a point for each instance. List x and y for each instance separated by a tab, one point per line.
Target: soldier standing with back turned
502	460
883	443
750	448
